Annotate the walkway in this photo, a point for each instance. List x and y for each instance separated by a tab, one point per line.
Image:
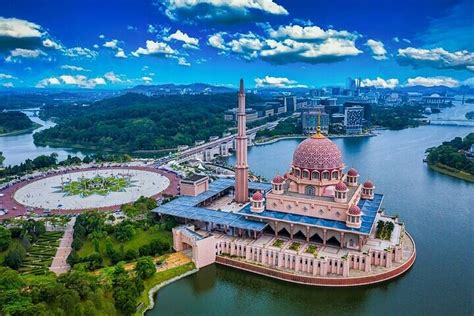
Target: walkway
59	264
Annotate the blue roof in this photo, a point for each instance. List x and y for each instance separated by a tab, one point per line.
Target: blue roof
185	206
369	210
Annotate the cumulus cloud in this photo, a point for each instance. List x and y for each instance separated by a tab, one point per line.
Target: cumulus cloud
6	76
433	82
120	54
112	77
189	42
380	83
222	11
17	33
437	58
82	81
147	79
113	44
8	85
277	82
48	82
289	44
155	49
49	43
80	52
23	53
378	50
73	68
183	62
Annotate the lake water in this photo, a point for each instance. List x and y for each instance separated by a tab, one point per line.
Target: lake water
18	148
438	212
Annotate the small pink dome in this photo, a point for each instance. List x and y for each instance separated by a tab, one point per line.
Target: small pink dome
285	175
278	179
354	210
352	172
368	184
317	154
341	186
257	196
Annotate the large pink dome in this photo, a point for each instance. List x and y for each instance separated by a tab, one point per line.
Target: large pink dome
317	153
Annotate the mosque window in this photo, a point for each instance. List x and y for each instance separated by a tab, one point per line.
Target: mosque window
315	175
305	174
309	190
325	175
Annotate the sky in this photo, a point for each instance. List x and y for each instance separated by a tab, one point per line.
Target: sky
93	44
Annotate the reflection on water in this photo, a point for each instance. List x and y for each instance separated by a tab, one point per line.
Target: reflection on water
436	208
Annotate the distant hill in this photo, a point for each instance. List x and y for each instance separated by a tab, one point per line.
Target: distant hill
171	88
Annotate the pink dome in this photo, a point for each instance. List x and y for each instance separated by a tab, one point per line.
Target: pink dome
368	184
341	186
278	179
354	210
352	172
285	175
257	196
317	153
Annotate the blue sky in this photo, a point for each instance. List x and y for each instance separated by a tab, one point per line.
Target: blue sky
116	44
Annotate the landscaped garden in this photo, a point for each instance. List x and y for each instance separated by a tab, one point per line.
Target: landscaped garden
312	249
96	185
39	256
278	243
384	230
295	246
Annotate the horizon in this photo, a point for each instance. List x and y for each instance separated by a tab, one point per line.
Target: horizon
276	44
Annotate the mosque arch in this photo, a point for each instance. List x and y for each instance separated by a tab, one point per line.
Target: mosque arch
309	190
325	175
315	175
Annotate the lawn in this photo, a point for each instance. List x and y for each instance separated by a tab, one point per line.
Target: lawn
40	255
140	238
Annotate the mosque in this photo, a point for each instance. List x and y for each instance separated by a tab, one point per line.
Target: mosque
316	224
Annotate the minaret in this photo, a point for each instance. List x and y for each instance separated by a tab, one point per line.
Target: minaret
241	167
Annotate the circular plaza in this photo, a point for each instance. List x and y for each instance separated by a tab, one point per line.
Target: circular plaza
92	188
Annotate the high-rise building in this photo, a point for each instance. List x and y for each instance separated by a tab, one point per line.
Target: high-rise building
353	119
309	120
241	166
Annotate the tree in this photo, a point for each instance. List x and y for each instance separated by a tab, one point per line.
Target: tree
145	267
124	232
5	238
14	257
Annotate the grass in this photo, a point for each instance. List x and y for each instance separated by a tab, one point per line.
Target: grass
452	172
312	249
278	243
159	278
140	238
295	246
40	255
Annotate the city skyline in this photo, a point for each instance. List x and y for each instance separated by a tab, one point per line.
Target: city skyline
268	43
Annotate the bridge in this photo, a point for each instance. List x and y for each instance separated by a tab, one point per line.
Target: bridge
219	147
452	122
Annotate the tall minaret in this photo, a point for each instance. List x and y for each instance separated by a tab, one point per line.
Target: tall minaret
241	167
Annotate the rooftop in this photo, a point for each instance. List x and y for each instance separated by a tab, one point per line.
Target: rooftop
369	210
187	206
194	178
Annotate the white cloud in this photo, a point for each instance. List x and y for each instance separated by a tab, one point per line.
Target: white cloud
132	28
23	53
101	36
96	46
80	52
396	39
469	82
112	77
48	43
154	48
48	82
433	82
378	50
8	85
289	44
6	76
380	83
121	54
220	10
151	29
82	81
406	40
277	82
113	44
183	62
189	42
436	58
147	79
73	68
16	28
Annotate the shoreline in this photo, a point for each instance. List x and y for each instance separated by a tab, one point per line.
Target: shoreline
152	292
455	174
23	131
283	137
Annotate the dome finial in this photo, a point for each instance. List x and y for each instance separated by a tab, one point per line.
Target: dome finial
318	128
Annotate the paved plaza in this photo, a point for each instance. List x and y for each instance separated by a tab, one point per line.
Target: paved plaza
46	193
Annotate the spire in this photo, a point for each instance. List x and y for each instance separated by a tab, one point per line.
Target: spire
318	134
241	91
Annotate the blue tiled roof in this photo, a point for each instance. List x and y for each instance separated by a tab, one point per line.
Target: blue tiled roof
369	210
185	206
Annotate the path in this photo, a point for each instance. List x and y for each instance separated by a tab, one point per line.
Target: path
59	264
